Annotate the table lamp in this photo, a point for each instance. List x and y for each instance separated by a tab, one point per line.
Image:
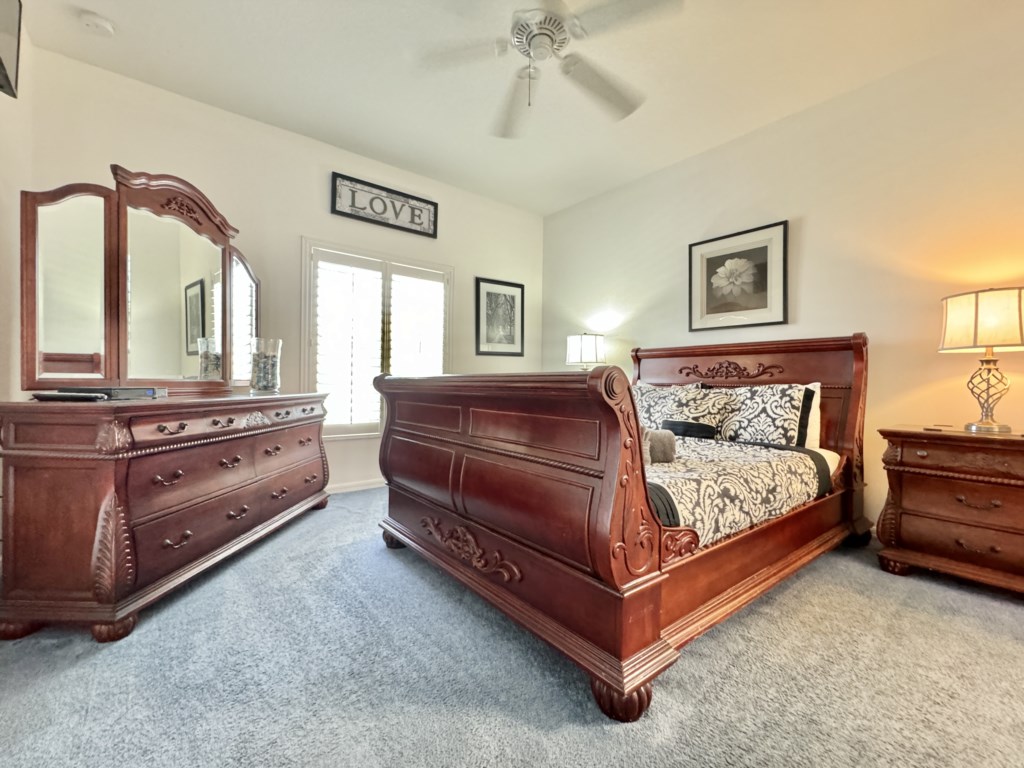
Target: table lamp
585	350
981	322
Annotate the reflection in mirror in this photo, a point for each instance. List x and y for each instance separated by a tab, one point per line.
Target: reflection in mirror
174	295
244	316
69	288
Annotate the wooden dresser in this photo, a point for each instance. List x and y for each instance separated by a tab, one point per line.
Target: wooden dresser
955	504
109	506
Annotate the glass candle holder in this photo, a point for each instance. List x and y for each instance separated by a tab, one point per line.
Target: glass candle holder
209	359
266	366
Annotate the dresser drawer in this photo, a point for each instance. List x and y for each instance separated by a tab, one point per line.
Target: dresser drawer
164	480
294	412
155	430
276	450
278	493
968	544
994	506
981	460
162	546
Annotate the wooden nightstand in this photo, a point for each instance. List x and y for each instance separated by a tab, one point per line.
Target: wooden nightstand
955	504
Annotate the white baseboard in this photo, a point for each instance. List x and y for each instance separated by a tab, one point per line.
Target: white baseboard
358	485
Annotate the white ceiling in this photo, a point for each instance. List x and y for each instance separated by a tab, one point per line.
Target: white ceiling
355	74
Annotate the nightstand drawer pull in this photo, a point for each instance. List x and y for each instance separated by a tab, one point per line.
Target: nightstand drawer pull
992	550
994	504
922	454
242	512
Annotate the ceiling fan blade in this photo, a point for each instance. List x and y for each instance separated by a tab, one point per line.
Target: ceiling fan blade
458	55
619	99
614	13
510	119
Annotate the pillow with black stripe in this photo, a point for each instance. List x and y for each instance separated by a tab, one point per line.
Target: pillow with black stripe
769	413
689	429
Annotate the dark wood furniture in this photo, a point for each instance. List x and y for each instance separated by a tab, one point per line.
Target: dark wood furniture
109	506
530	490
955	504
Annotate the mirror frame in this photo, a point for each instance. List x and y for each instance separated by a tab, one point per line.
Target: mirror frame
162	195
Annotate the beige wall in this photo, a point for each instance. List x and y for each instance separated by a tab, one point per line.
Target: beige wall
274	186
897	194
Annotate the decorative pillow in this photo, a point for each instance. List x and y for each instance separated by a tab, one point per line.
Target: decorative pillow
689	429
814	418
645	445
683	402
769	413
663	446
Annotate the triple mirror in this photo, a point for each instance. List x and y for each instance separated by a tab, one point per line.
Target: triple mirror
134	286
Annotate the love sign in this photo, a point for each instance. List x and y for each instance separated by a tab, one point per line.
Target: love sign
388	207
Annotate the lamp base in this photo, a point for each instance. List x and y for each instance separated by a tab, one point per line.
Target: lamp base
988	427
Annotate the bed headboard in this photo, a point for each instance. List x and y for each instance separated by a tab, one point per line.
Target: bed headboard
839	363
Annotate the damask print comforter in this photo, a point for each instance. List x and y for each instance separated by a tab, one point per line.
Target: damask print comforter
722	487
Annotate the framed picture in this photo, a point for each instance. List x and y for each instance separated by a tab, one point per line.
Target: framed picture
739	279
370	202
499	317
195	315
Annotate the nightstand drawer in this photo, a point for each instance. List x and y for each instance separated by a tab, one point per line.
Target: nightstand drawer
982	460
994	506
980	546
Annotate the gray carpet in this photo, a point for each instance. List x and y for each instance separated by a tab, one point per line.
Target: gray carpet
320	647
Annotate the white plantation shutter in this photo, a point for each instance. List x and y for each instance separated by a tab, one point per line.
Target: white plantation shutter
417	322
370	316
243	326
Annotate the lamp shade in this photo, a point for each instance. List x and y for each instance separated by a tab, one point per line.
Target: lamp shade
980	320
584	349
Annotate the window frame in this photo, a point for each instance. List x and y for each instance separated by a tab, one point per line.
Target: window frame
308	329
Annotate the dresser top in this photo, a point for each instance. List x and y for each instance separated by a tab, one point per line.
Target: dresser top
947	432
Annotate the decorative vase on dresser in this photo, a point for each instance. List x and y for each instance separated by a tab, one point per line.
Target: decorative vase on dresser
955	504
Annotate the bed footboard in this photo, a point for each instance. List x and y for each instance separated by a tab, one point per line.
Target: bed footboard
529	489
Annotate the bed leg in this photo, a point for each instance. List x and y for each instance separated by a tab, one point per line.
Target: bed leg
391	542
624	707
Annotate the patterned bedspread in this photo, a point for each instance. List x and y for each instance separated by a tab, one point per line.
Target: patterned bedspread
722	487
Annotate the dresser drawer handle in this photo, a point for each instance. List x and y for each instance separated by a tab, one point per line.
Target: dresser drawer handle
164	429
231	463
279	494
272	451
304	441
994	504
242	512
921	454
223	424
311	479
175	477
992	550
282	414
168	544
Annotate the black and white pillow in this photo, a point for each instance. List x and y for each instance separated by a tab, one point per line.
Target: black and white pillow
770	413
683	402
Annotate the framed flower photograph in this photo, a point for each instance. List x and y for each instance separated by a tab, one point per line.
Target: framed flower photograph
739	279
499	317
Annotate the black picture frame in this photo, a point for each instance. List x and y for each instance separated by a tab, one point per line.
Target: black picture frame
740	279
363	200
195	315
500	317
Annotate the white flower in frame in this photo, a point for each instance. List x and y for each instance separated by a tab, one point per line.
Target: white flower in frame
734	278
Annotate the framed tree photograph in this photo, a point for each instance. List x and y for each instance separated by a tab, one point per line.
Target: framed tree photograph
499	317
195	315
739	279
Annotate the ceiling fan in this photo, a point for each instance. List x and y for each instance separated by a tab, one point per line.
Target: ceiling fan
544	33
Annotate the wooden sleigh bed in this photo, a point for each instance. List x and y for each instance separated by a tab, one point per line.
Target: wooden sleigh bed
530	489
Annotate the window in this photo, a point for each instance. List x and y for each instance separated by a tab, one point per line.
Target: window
365	316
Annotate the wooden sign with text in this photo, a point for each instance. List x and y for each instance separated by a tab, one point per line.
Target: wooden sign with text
388	207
